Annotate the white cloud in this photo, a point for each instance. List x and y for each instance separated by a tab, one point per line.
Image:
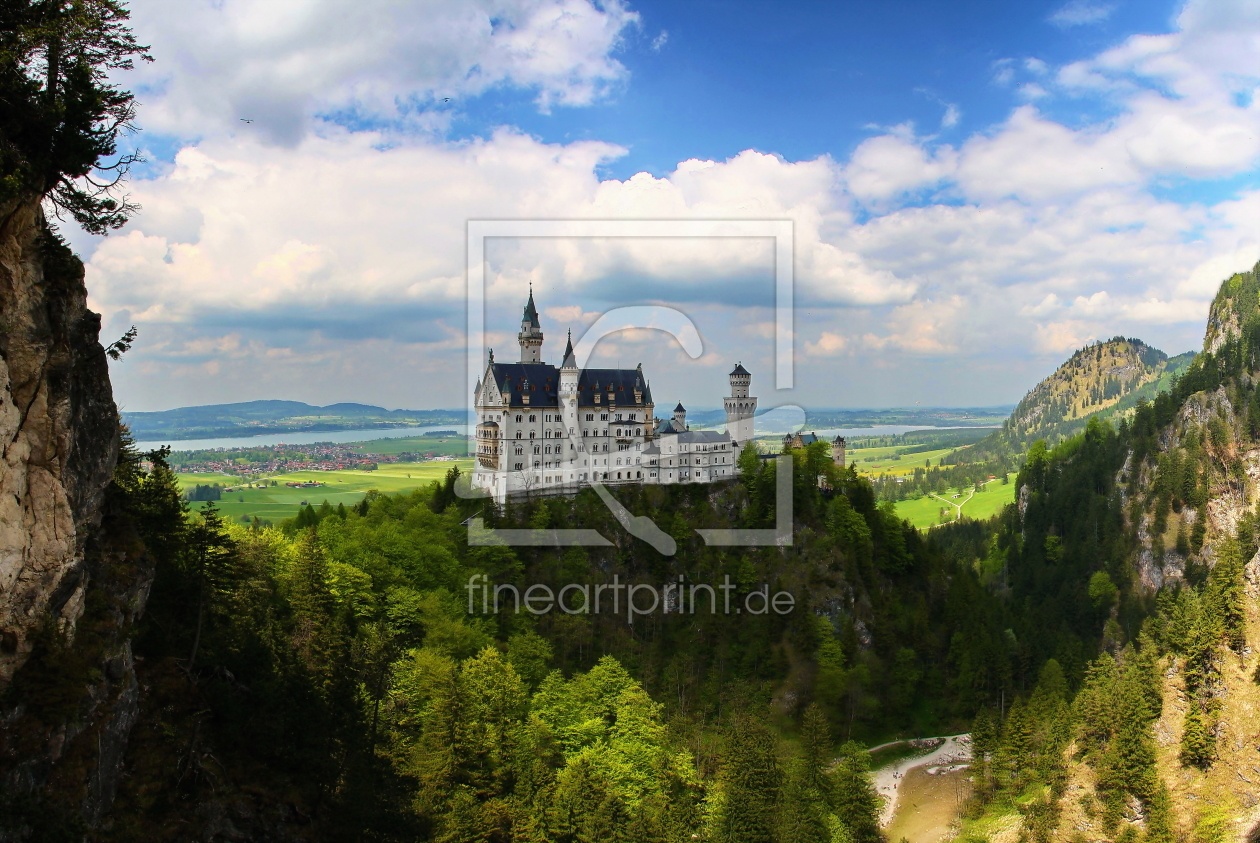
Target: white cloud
282	62
312	264
660	41
886	166
1081	12
1061	338
829	344
951	116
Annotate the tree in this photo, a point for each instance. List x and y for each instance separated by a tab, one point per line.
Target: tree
209	554
62	116
750	778
853	798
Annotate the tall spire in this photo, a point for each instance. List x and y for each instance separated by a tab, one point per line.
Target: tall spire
531	335
570	362
530	316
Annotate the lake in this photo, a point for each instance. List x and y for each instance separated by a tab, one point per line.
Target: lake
296	438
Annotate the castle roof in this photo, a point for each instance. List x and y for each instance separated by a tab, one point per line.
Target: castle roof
543	383
680	408
569	361
530	316
739	369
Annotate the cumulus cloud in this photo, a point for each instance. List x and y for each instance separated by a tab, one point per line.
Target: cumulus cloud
883	167
282	62
271	264
828	344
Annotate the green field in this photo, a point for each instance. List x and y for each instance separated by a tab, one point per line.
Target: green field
885	460
925	512
274	503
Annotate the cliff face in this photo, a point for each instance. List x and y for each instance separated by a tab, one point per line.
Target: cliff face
71	587
58	432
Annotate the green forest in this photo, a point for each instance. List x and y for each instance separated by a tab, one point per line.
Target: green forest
332	659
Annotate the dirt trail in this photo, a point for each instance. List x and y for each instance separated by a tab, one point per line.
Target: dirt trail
956	750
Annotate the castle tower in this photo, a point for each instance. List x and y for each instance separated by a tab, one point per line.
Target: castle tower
837	451
531	335
680	416
740	407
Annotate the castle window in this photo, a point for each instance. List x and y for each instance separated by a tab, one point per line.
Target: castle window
518	434
590	417
603	417
533	418
518	418
531	434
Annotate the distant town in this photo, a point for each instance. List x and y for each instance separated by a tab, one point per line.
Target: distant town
282	459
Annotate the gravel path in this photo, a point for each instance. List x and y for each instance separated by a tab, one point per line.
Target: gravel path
952	754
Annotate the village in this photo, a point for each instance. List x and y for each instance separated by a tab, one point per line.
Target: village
283	459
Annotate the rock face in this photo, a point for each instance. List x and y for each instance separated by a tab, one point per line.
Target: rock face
58	432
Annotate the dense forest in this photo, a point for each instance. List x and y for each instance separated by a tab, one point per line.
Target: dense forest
336	660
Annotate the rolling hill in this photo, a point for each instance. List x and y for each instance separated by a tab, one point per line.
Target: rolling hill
254	417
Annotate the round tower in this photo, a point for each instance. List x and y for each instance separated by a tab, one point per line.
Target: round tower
740	406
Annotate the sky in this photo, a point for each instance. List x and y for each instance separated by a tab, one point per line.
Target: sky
976	189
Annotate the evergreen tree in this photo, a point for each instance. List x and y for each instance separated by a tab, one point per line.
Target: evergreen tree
853	798
750	780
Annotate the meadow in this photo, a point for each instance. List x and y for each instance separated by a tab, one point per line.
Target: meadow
274	503
925	512
890	461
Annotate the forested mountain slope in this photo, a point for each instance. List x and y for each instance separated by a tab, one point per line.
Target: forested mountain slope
1104	380
1153	526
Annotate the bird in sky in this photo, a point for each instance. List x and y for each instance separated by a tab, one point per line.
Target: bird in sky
246	120
446	99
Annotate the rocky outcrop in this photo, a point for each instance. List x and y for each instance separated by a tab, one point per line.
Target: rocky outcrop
73	577
58	431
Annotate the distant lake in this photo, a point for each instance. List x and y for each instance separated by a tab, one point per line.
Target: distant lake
890	430
307	437
771	429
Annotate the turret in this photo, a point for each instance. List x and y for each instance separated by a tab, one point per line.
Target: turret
569	370
837	451
531	335
680	416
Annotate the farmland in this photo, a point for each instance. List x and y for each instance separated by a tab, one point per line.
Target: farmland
273	503
876	461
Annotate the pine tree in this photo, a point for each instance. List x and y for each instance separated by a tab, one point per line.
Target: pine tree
1198	743
750	780
853	798
209	554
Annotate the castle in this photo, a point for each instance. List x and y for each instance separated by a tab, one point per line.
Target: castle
546	429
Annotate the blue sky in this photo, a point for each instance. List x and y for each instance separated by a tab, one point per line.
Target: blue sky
809	79
977	188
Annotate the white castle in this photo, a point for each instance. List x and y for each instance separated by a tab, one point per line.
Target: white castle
547	429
